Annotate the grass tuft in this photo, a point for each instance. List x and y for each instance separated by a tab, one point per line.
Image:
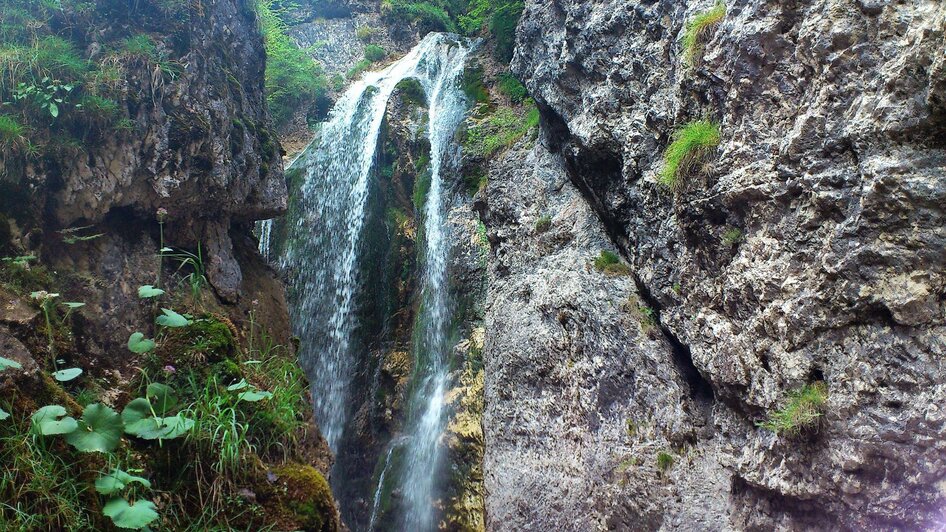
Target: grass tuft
696	29
664	461
690	145
801	412
12	133
610	263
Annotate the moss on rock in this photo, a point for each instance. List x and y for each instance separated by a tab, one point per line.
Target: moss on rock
297	496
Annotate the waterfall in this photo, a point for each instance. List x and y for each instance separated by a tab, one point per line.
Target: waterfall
322	259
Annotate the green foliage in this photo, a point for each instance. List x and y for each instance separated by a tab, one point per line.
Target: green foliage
690	145
116	481
52	420
12	132
100	430
366	33
375	53
499	130
147	291
664	461
433	15
137	343
543	224
503	27
801	411
172	319
422	184
474	85
134	516
732	236
358	68
610	263
696	29
500	16
412	92
512	88
293	78
66	375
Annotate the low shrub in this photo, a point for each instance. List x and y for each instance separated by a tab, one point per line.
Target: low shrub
375	53
690	145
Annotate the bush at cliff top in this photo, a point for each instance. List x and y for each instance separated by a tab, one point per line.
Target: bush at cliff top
293	79
690	145
434	15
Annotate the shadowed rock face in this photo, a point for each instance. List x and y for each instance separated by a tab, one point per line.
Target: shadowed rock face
201	150
830	165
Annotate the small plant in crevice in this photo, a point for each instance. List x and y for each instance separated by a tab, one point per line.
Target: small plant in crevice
543	224
732	236
631	428
801	411
610	263
665	461
691	144
696	31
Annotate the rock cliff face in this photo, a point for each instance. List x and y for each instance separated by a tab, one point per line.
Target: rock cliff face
830	167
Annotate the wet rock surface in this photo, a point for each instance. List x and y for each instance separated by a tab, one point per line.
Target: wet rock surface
830	166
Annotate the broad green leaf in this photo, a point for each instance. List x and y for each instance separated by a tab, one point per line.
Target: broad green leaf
53	110
160	428
6	363
71	305
99	431
132	516
148	291
52	419
66	375
162	398
4	414
135	411
176	426
172	319
116	481
238	386
137	343
253	396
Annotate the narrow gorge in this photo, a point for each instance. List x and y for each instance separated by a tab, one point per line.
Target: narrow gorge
461	265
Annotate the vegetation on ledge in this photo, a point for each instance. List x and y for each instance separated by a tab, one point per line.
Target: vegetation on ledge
689	147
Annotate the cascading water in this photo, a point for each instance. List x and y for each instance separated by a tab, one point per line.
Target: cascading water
322	258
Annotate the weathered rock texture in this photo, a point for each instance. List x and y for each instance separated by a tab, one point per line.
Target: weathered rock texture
831	165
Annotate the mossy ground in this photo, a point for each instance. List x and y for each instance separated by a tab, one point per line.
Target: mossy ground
218	477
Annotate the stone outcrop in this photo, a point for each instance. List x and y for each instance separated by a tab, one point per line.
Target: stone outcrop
830	167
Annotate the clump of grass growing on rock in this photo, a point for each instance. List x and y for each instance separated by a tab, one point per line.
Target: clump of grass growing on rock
696	30
12	133
664	461
543	224
801	411
374	53
732	236
610	263
690	145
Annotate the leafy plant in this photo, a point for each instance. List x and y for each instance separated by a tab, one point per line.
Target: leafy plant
99	430
801	411
116	481
137	343
172	319
134	516
690	145
52	420
543	224
696	30
609	262
512	88
197	277
48	96
147	291
66	375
